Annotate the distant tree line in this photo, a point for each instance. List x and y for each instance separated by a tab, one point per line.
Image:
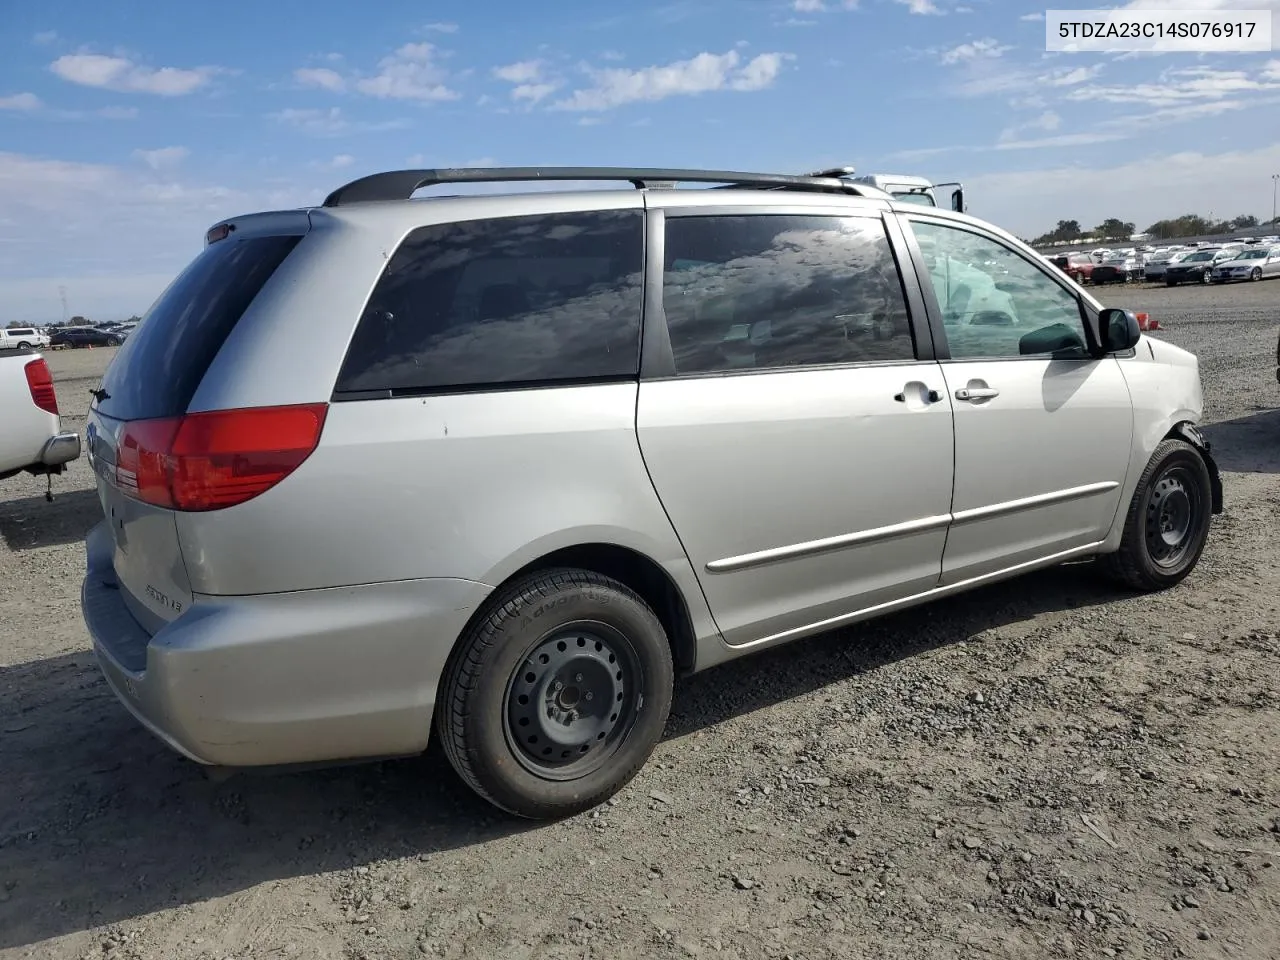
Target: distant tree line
1188	225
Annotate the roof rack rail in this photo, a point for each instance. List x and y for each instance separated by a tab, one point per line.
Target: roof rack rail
401	184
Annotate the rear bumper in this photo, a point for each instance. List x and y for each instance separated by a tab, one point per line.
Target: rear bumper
61	448
279	679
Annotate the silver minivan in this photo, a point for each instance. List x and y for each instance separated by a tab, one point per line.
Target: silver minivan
509	464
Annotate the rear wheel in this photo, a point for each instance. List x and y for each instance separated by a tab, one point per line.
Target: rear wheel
553	701
1167	523
23	345
113	341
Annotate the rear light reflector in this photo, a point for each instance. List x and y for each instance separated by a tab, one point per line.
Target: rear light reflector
209	461
40	382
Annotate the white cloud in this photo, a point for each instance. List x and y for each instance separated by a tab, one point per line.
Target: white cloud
342	161
411	73
119	113
523	71
321	77
1181	86
1072	77
162	158
1032	17
20	101
701	74
984	49
921	7
530	80
442	27
808	6
534	92
45	37
121	74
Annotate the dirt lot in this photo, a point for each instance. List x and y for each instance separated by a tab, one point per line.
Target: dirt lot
1045	768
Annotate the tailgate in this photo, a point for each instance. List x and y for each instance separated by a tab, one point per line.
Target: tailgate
150	382
146	557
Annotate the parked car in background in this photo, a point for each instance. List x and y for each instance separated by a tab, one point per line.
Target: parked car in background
1196	267
1251	263
1077	266
85	337
31	434
1118	268
931	408
1155	268
22	338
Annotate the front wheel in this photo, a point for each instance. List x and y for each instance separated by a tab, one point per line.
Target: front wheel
1204	277
113	341
553	701
1256	274
1167	524
23	345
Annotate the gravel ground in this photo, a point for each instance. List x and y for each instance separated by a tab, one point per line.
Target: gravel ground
1040	769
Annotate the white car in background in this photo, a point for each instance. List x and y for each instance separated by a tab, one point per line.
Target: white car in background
22	338
1251	263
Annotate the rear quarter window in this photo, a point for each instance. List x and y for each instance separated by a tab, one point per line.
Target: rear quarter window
506	302
162	362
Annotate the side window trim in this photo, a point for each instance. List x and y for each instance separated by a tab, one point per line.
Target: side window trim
657	358
935	309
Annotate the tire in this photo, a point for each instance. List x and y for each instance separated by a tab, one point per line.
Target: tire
1256	274
1204	277
1174	498
113	341
556	627
23	345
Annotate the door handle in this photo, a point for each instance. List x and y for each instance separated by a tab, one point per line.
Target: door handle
977	393
933	396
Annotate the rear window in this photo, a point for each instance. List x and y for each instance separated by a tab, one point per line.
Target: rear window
512	301
158	369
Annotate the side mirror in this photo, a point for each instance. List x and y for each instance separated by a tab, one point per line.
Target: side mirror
957	200
1119	329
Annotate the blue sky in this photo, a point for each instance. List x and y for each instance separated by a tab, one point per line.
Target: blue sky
126	128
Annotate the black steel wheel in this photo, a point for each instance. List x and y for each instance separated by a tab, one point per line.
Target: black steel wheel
1167	523
569	704
557	694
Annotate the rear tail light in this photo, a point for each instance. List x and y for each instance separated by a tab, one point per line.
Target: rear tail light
40	382
208	461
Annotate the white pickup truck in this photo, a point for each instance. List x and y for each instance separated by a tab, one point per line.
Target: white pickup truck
31	434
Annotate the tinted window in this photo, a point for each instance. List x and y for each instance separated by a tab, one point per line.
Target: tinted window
158	369
761	292
518	300
995	302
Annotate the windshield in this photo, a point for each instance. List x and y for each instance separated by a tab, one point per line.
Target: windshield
1253	255
910	196
1207	255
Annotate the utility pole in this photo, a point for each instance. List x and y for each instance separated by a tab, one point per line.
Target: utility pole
1275	181
62	295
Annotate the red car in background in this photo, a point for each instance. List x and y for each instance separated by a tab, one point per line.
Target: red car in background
1078	266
